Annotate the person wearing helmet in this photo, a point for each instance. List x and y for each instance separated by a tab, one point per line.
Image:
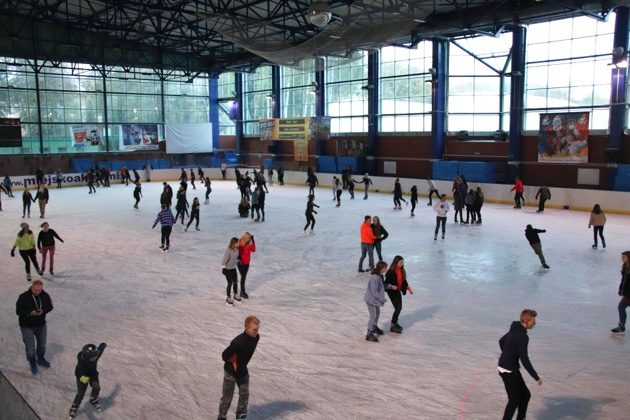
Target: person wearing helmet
86	373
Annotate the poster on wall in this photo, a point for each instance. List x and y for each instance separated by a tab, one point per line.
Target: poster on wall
139	137
87	135
563	137
311	128
300	150
349	147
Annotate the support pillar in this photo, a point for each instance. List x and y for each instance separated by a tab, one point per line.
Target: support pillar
372	134
238	80
438	97
517	97
213	96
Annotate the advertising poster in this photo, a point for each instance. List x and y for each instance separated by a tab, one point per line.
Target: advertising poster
312	128
300	150
139	137
87	135
563	137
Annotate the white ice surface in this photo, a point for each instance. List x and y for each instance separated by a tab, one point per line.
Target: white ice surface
166	323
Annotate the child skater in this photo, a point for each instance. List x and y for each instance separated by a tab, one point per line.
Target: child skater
398	195
246	246
27	199
228	262
440	208
86	373
414	199
137	193
236	358
310	220
375	298
208	190
397	276
194	214
166	219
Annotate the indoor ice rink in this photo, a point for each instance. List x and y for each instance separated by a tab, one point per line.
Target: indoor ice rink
164	317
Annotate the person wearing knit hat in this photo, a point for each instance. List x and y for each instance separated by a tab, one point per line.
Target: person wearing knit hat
25	242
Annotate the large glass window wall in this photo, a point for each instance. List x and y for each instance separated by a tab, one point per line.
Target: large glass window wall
72	99
405	97
299	91
567	69
478	91
227	102
346	93
257	99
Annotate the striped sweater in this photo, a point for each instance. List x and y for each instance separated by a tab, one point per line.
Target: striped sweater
165	217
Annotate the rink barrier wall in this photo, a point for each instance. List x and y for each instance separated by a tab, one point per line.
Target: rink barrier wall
12	405
561	198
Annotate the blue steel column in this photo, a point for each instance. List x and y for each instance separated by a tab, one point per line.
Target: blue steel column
438	98
275	91
320	106
213	96
373	94
618	88
517	97
239	111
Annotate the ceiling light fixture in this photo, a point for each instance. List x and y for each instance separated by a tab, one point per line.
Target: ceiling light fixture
319	14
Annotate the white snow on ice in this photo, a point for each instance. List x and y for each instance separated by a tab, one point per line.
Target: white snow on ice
165	321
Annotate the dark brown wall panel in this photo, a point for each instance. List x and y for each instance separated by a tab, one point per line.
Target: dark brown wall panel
227	142
476	150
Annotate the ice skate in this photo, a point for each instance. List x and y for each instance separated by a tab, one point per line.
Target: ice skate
237	297
96	404
186	229
244	295
376	330
618	329
241	416
395	328
229	301
73	411
197	229
371	337
28	277
43	362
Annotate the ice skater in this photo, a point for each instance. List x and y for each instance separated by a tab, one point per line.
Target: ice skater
479	198
413	199
440	208
208	190
597	220
192	179
398	195
89	179
518	193
312	182
25	242
338	189
534	241
202	176
235	372
7	185
223	169
367	243
46	245
374	298
31	309
261	202
229	262
86	373
27	199
166	219
432	190
334	188
397	276
59	177
543	195
380	234
254	203
514	348
246	246
182	204
194	214
42	199
624	292
310	219
137	193
366	181
136	176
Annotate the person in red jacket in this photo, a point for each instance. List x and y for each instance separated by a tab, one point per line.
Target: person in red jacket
518	193
246	246
367	243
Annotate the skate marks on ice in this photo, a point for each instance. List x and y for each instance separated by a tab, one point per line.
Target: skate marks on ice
572	407
276	409
107	401
409	319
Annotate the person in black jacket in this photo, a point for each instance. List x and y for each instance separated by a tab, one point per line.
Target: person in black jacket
42	199
236	358
46	245
86	373
380	233
624	292
397	276
534	241
194	214
413	199
514	348
310	220
31	309
137	193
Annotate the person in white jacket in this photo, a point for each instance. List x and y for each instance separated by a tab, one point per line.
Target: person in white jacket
440	208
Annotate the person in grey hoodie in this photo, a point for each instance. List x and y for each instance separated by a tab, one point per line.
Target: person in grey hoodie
375	298
255	204
229	261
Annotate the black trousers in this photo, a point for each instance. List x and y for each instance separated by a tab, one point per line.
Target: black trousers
26	207
518	395
166	235
396	298
310	221
230	276
194	216
339	197
81	388
541	204
413	205
518	197
28	256
208	190
242	270
256	207
600	230
437	195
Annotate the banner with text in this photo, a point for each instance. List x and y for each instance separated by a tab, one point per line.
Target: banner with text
87	135
563	137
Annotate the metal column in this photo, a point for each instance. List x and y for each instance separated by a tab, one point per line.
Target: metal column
213	96
275	92
320	106
372	134
517	98
619	78
238	79
438	97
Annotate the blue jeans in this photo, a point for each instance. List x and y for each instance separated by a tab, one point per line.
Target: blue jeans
375	312
29	336
366	249
377	246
